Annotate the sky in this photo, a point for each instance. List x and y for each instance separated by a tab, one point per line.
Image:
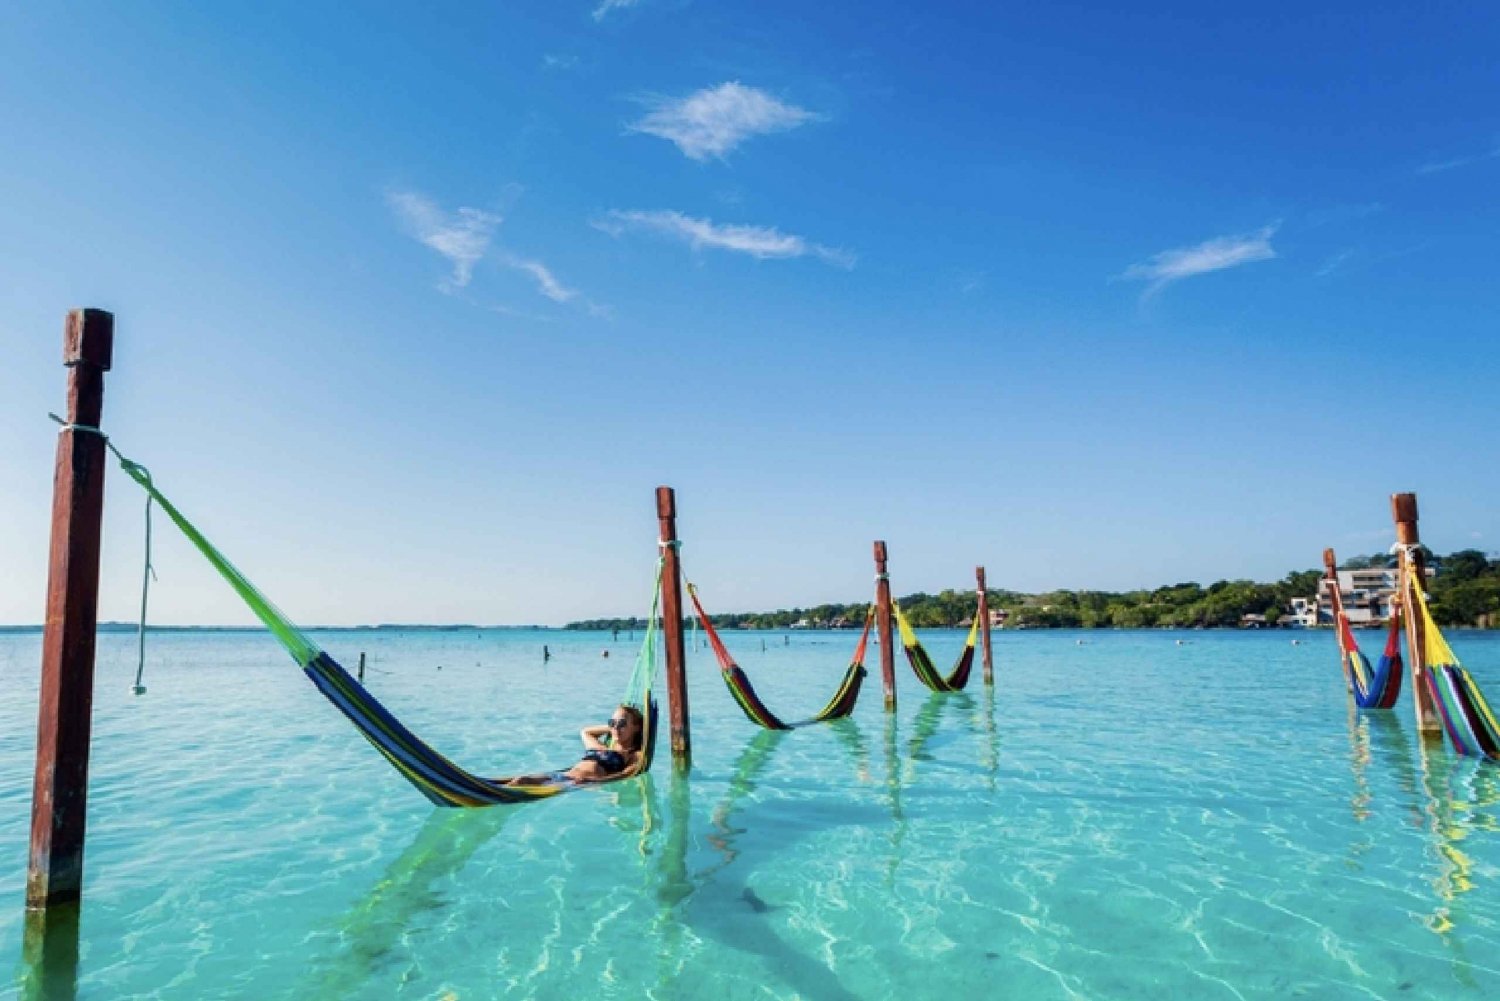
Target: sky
415	308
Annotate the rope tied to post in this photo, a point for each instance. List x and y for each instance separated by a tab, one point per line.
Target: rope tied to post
141	475
1408	552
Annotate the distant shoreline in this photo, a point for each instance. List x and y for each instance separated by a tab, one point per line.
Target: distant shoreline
130	627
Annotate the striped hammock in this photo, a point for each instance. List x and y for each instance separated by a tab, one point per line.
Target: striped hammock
1467	716
437	778
921	662
841	705
1376	688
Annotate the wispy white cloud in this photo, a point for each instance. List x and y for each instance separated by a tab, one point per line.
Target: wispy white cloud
1211	255
559	62
546	282
713	121
1439	166
970	281
605	6
758	241
461	237
1333	263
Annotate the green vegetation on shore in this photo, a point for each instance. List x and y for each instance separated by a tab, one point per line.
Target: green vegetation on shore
1465	592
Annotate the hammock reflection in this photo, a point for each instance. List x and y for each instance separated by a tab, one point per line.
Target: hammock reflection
373	937
371	932
1460	798
1379	738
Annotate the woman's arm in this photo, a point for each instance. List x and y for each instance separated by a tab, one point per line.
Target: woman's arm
592	737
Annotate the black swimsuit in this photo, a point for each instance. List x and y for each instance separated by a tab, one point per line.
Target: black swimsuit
610	761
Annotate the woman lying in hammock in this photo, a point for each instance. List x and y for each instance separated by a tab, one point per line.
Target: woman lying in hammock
610	751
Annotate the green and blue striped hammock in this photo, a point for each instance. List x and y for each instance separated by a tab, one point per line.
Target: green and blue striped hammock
436	777
735	679
921	661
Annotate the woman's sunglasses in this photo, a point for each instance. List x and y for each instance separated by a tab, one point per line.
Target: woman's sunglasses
618	724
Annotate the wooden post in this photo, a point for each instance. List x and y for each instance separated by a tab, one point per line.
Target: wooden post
1412	574
883	628
1331	581
1336	602
59	797
671	610
984	614
361	665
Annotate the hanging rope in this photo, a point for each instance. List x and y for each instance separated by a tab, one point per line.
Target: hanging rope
148	574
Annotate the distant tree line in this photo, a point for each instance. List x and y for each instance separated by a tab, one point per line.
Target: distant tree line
1465	592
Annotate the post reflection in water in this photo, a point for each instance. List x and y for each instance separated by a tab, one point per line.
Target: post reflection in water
719	902
49	954
1359	759
990	760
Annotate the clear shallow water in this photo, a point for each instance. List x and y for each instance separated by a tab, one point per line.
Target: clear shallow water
1126	818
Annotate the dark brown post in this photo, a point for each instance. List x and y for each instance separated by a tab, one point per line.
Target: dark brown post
883	628
361	665
59	796
984	615
671	611
1412	574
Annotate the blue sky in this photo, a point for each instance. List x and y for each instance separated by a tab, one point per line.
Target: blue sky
414	310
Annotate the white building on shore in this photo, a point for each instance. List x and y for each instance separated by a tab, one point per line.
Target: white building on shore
1368	596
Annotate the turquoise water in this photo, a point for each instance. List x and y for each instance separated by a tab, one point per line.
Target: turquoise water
1125	818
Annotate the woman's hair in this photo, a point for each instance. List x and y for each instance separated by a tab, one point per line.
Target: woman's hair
640	723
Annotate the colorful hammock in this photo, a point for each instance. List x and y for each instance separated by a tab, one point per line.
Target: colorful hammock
1467	717
1376	688
922	664
841	705
437	778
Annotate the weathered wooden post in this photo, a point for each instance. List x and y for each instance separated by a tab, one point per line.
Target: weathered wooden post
60	793
671	610
361	665
1331	582
883	628
1413	573
1336	602
984	616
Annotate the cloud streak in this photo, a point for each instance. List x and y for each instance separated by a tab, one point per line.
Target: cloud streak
711	122
546	282
762	242
1333	263
1217	254
1439	166
461	237
602	11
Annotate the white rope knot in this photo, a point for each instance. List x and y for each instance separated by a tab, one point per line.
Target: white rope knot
63	425
1408	549
669	544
